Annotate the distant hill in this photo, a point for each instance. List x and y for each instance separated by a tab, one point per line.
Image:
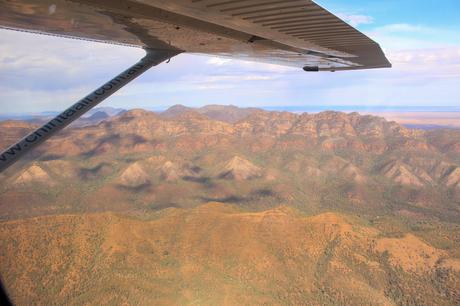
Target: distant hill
94	116
109	111
429	127
225	113
99	115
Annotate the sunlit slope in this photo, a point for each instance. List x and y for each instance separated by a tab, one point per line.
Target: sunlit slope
218	255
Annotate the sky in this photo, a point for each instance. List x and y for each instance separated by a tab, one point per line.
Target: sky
420	37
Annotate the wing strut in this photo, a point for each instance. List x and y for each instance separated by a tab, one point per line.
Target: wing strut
13	153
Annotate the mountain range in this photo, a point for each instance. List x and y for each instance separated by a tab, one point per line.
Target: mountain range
222	205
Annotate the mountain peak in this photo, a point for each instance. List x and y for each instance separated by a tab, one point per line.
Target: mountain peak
240	169
137	112
178	107
175	110
100	115
134	176
34	174
171	171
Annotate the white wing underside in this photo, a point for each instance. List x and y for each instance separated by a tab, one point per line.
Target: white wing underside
296	33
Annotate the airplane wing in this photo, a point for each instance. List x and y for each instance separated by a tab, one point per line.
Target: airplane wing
297	33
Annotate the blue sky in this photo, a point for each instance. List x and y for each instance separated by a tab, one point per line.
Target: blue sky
421	38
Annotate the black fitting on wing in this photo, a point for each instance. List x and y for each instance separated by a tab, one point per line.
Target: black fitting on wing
255	38
311	68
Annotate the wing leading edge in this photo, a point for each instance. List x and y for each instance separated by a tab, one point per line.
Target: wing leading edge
296	33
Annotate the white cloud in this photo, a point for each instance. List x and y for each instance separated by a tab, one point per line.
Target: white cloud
236	78
266	68
38	100
51	62
356	20
236	64
403	36
437	63
218	61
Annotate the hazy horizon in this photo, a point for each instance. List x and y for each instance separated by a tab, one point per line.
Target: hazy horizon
287	108
423	48
420	118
